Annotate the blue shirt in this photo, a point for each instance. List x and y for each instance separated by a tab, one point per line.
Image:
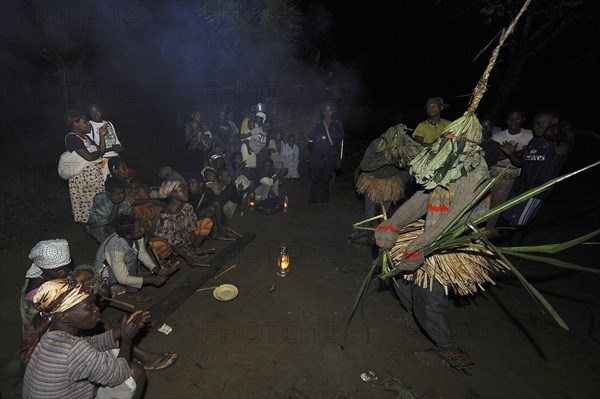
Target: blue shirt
102	207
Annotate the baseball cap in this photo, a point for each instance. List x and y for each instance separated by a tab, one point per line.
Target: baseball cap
436	101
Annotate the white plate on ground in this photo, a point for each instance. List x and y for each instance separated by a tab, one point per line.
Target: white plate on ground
225	292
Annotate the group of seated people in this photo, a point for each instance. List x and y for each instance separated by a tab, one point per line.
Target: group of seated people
256	140
69	350
135	224
186	211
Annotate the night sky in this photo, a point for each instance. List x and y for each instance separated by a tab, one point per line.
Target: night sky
153	59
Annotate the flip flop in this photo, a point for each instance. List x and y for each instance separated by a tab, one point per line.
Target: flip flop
166	360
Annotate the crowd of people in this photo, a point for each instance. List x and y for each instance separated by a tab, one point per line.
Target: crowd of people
137	224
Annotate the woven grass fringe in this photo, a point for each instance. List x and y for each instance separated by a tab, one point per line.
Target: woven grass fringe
380	190
464	269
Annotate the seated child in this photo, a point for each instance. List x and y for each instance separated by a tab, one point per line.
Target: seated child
106	207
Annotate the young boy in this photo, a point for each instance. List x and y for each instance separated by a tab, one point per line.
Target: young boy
541	160
113	145
107	207
514	135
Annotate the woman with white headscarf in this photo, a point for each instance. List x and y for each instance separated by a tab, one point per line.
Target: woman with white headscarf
51	260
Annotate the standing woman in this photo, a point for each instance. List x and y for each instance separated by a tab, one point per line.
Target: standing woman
326	144
85	185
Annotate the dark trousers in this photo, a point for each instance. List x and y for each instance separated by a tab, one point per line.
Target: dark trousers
321	168
431	309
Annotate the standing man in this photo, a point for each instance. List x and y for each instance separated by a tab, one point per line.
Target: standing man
430	129
113	145
326	145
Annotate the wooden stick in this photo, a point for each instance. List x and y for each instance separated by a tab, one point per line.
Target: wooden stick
225	271
207	288
105	298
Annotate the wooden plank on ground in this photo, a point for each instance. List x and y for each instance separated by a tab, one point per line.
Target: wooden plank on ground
181	293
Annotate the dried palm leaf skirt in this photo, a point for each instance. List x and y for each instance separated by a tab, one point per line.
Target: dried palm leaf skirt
380	190
464	270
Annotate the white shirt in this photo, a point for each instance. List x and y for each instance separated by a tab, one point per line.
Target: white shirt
519	140
110	138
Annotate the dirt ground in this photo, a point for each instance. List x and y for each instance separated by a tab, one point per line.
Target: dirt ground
286	342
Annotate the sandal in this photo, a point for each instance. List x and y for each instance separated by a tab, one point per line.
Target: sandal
457	359
166	360
453	357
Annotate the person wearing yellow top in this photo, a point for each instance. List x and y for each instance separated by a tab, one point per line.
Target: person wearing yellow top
430	129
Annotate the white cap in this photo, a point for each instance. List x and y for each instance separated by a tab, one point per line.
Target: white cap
48	254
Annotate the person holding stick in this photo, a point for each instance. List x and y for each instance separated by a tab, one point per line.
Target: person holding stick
84	274
118	256
326	146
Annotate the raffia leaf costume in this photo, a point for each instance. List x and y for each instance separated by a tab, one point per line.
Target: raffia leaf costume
381	178
452	172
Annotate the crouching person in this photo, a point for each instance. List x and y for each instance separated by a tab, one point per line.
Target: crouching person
62	365
118	258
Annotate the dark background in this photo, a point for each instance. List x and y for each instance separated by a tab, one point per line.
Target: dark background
152	60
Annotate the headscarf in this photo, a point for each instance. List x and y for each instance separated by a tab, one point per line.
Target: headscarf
207	168
57	296
167	188
48	254
262	115
53	297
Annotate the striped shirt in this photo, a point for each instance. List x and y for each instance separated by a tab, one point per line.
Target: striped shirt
63	366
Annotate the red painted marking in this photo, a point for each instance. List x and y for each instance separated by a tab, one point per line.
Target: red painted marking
441	208
413	255
387	228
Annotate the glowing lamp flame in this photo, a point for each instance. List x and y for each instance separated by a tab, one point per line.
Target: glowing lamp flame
284	261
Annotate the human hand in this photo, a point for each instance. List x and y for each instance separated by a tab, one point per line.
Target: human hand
103	130
386	235
131	326
411	261
157	280
163	272
508	148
